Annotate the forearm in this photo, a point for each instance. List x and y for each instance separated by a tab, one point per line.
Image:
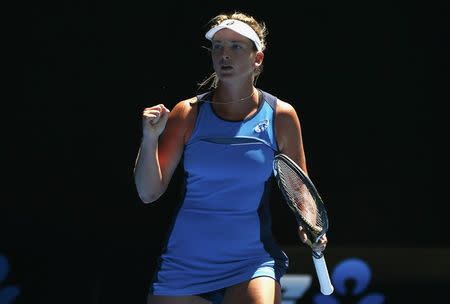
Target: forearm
147	172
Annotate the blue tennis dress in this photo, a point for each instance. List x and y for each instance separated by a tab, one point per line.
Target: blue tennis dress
222	234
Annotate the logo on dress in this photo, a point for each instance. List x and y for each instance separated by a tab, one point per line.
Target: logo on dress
261	126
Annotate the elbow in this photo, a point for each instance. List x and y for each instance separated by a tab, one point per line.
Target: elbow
148	197
149	192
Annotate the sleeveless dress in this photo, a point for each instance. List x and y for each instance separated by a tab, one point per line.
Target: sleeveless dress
222	233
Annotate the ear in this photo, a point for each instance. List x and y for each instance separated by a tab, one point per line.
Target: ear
259	59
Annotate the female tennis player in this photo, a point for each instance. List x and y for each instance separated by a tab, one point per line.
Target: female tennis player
220	248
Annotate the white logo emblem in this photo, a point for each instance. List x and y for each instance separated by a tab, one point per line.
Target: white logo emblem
261	126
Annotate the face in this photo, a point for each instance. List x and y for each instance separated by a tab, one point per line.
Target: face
234	56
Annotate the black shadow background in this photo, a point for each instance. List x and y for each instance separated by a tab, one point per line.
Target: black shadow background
370	84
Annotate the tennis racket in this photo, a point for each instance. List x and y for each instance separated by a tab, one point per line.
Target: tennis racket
303	199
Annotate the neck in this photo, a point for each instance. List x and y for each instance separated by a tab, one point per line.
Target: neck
235	105
224	94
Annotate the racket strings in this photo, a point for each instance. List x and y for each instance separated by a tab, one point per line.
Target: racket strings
300	197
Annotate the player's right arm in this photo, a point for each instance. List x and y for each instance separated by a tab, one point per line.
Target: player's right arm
164	134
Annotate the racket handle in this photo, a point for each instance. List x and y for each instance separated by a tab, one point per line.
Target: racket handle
326	287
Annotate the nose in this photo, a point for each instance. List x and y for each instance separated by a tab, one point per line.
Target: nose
226	54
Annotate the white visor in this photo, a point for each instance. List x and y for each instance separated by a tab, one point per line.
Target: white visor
239	27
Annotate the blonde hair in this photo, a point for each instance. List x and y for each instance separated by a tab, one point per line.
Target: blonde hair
258	26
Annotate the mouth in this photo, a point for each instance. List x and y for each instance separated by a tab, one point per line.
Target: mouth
226	68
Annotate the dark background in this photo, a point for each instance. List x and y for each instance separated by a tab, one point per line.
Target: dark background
370	85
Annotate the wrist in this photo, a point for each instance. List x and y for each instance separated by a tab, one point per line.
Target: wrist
149	140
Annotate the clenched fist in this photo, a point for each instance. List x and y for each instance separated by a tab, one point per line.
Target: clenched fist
154	120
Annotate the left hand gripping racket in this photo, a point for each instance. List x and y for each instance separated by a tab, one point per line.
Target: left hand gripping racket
303	199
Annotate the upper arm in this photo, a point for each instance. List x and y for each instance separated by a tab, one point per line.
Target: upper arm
289	133
171	142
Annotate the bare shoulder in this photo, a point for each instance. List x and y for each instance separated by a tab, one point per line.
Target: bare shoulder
183	116
185	108
286	112
288	132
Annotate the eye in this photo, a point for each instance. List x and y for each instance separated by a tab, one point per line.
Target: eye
216	47
236	46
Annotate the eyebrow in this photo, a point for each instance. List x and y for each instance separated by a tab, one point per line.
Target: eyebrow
232	41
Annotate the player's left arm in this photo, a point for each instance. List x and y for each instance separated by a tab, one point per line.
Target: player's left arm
290	142
289	134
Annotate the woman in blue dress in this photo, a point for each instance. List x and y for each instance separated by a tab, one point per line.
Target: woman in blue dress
220	248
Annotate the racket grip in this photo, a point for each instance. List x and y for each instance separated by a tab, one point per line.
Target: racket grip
326	287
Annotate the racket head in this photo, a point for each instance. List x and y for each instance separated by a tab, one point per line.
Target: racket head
301	196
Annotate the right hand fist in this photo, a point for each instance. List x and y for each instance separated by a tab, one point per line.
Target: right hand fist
154	120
